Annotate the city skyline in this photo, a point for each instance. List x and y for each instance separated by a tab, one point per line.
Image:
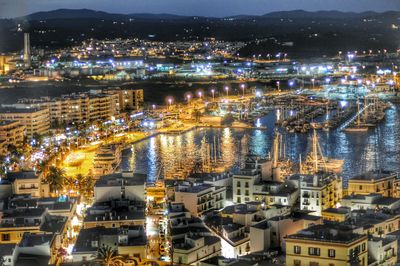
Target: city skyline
219	8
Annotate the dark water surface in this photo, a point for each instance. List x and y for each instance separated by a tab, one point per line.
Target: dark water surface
377	148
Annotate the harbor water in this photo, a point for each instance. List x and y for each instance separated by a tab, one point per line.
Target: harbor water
379	148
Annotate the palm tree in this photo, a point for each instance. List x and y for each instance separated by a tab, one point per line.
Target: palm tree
85	185
107	256
55	178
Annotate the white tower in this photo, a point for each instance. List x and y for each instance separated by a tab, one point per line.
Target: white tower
27	50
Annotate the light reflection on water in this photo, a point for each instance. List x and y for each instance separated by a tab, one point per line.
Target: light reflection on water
360	151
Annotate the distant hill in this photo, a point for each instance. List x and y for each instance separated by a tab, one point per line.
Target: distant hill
294	14
308	33
92	14
318	14
70	14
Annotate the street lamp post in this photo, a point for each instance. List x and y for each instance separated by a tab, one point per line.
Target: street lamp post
278	84
313	83
188	98
242	86
169	102
212	92
227	91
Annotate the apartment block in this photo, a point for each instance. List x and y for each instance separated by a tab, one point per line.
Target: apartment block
34	120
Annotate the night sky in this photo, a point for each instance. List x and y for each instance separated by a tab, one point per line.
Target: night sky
218	8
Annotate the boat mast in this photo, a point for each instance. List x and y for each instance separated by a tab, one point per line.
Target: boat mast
315	151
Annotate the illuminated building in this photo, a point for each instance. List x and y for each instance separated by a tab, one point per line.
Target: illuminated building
373	222
125	185
5	64
35	121
192	242
127	240
250	174
194	248
34	245
114	214
378	182
128	99
371	201
156	192
75	107
340	214
382	251
11	133
106	160
318	192
27	182
326	245
200	199
16	222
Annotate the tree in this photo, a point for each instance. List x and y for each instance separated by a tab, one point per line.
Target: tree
107	256
85	185
55	178
2	261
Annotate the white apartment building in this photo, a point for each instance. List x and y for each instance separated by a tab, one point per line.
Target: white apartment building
34	120
200	199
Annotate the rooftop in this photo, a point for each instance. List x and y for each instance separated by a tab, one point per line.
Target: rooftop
119	179
327	233
374	175
12	176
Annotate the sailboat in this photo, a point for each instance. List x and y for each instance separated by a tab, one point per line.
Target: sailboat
316	161
357	127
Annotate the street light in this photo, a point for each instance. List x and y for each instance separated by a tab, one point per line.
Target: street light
227	91
291	83
278	84
200	94
313	83
169	100
188	98
242	86
213	92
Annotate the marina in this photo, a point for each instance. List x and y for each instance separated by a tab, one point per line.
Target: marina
359	153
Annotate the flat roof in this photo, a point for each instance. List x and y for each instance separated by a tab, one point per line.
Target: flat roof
327	233
373	175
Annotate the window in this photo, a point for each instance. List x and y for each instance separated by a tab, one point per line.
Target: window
314	251
363	247
360	187
313	263
297	263
238	200
297	249
331	253
246	193
238	183
238	192
246	184
317	202
5	237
